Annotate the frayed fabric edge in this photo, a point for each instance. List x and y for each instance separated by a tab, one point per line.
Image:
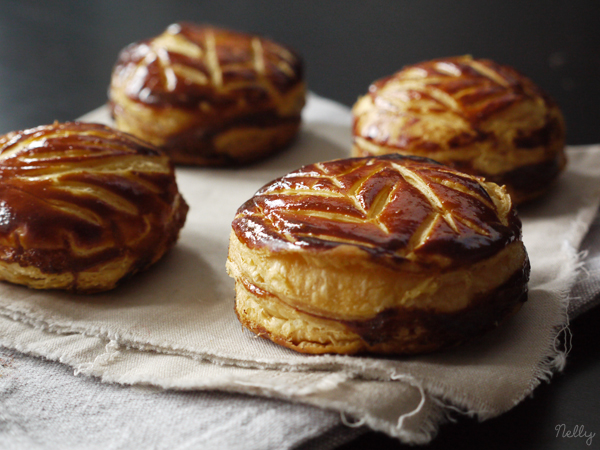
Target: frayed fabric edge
425	433
426	426
439	409
561	343
553	362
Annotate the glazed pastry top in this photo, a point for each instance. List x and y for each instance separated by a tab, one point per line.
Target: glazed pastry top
83	191
206	68
394	207
451	103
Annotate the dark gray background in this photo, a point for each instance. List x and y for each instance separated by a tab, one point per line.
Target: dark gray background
55	64
56	56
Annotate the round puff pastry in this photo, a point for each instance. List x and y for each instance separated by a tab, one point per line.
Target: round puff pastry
83	206
473	114
209	96
391	254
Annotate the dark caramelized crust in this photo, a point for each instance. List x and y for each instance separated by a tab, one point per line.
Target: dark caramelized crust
474	114
394	207
437	330
83	206
200	82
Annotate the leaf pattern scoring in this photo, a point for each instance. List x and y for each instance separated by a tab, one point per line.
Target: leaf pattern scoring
391	206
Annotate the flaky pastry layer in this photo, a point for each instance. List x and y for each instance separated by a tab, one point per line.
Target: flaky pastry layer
393	332
346	283
343	302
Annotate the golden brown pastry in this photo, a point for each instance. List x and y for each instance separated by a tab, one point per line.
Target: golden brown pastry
473	114
391	254
83	206
209	96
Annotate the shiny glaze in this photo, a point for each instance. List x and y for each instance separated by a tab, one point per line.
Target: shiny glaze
149	77
466	106
63	209
370	203
480	95
444	330
480	89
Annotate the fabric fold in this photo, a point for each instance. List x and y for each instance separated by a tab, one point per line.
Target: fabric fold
174	327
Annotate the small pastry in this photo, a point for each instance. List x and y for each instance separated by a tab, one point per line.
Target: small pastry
392	254
473	114
83	206
209	96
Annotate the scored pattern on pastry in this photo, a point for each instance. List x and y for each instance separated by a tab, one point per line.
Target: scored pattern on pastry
397	203
475	115
207	56
83	184
465	87
452	104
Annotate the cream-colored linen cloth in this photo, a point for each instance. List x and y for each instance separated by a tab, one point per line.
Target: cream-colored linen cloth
174	326
44	407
